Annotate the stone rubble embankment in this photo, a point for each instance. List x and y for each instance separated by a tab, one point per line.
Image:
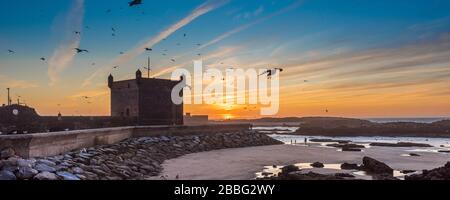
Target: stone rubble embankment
132	159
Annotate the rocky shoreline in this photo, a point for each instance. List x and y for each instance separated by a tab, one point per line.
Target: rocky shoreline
132	159
376	169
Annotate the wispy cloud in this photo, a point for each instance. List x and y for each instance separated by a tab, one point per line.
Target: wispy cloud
64	53
17	84
131	54
248	15
246	26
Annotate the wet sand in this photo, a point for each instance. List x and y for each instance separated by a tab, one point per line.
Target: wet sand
243	163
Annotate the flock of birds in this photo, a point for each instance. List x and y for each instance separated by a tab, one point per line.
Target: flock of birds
269	73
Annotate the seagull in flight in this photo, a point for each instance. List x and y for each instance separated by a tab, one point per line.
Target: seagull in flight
135	3
11	51
271	72
81	50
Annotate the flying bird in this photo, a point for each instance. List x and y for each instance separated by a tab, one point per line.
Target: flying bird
81	50
11	51
173	60
113	29
135	3
271	72
115	67
43	59
77	32
184	35
148	49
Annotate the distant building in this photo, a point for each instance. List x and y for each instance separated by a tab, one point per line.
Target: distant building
146	100
195	119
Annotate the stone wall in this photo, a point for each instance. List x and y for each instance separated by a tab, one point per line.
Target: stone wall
135	158
54	143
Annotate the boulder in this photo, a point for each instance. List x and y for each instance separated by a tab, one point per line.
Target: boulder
376	167
440	173
384	177
77	170
310	176
68	176
348	145
317	165
25	163
288	169
399	144
46	162
44	168
7	153
351	149
407	171
344	175
348	166
46	176
7	176
329	140
26	173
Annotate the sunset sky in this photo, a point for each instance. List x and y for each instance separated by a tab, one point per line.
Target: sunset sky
353	58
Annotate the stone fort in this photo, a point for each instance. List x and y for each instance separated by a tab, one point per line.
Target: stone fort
147	101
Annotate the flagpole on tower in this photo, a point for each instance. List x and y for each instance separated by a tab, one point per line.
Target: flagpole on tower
148	67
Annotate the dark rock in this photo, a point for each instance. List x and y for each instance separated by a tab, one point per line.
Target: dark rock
25	163
444	151
440	173
44	168
46	176
407	171
7	153
414	154
399	144
26	173
376	167
68	176
7	176
344	175
348	166
348	146
329	140
317	165
350	149
384	177
46	162
288	169
77	170
310	176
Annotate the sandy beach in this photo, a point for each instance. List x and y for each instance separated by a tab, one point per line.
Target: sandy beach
243	163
